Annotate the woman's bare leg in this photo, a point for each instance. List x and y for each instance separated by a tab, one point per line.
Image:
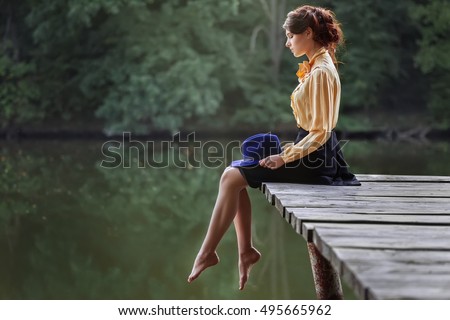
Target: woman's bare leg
225	209
248	255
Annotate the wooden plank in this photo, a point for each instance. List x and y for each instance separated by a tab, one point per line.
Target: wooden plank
384	283
396	274
380	283
424	257
297	216
394	178
350	202
279	187
367	189
405	291
366	210
432	205
344	201
381	236
382	193
290	187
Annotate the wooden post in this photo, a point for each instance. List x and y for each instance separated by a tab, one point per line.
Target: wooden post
326	279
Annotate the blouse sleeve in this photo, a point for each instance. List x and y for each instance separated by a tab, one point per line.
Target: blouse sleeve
321	96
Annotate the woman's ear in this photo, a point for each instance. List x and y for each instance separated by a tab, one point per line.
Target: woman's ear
309	33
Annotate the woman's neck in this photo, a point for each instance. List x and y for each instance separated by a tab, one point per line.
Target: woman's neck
310	54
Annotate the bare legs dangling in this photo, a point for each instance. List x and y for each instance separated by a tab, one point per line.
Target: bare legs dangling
248	255
232	203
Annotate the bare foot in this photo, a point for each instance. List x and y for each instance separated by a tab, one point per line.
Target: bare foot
201	263
246	261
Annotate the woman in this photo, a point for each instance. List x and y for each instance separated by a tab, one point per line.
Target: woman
314	157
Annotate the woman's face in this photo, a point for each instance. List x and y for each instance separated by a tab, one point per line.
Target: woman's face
298	43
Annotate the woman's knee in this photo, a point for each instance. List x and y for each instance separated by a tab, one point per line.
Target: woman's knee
232	177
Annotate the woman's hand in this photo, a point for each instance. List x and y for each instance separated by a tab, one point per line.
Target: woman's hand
272	162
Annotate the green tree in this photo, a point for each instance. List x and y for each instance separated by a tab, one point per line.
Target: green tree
141	65
378	51
433	21
176	63
270	73
18	91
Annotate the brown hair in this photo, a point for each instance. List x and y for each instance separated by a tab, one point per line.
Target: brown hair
327	30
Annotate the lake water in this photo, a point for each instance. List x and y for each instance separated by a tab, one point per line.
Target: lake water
71	229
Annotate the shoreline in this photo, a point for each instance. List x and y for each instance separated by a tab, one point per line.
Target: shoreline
417	134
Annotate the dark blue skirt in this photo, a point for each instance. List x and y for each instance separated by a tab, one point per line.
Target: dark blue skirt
324	166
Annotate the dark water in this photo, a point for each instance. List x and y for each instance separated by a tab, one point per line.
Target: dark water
70	229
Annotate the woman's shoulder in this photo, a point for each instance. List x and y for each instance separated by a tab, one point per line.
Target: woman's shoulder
321	72
324	71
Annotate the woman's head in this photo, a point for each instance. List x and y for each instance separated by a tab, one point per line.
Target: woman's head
319	23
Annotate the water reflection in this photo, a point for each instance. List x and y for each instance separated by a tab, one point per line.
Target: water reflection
70	229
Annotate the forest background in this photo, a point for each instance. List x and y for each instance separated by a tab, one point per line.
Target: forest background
148	65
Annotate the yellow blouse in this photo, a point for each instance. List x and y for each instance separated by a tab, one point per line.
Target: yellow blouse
315	104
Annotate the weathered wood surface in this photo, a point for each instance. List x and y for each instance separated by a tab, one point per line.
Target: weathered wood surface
401	178
388	239
391	274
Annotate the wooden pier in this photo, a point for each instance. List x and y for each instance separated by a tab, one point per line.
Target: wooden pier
387	239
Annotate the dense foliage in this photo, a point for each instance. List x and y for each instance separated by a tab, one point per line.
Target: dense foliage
141	65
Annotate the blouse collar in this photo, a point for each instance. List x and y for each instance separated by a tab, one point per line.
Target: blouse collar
304	68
